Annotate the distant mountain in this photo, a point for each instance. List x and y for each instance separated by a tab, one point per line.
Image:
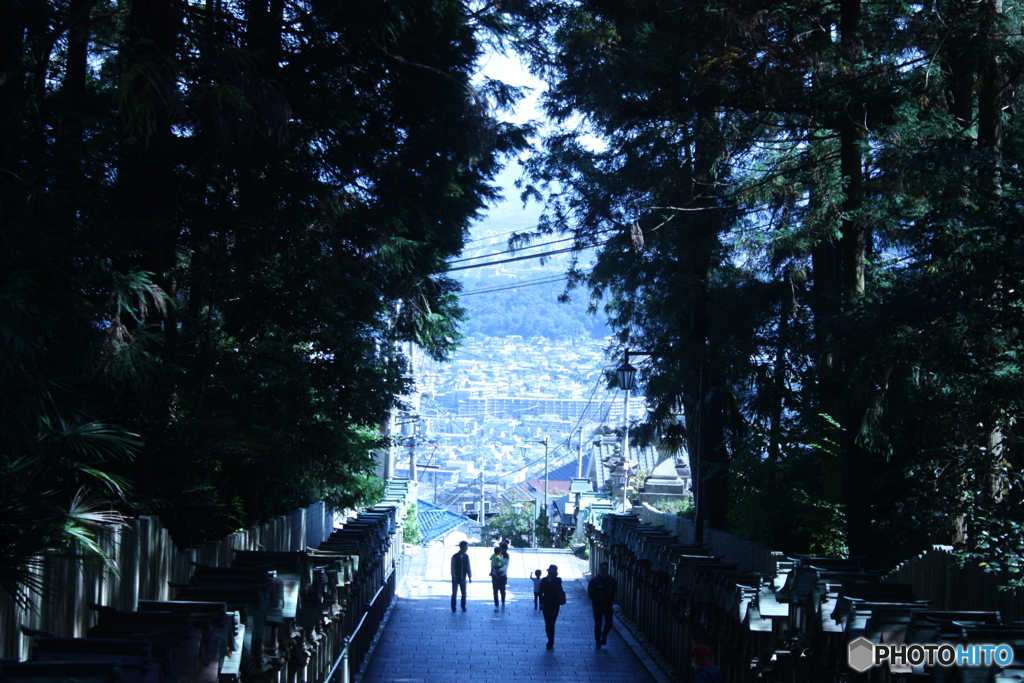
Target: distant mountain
500	299
505	309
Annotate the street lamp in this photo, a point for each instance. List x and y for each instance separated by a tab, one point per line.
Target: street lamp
626	375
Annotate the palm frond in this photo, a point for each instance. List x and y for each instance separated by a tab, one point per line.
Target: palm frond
21	578
93	440
112	483
85	515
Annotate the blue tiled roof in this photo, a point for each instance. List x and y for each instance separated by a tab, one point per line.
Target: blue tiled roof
436	521
566	472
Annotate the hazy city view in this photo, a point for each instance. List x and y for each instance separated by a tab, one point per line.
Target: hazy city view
492	407
530	368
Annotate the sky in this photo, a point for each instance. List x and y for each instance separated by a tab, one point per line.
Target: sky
490	233
510	214
507	67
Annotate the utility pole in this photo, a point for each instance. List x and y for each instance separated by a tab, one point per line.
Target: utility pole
412	457
545	442
410	433
579	475
545	475
533	525
483	517
388	472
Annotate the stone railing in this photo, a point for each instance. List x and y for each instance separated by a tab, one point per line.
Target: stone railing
329	580
768	617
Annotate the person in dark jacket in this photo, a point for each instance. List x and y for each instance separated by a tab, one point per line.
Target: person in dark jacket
601	590
706	671
552	597
461	573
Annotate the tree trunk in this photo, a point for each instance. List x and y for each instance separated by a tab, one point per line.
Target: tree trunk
77	62
839	280
825	303
857	467
778	382
712	455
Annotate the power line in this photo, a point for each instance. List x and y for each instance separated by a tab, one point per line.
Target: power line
512	250
529	246
505	288
477	239
491	242
513	260
583	413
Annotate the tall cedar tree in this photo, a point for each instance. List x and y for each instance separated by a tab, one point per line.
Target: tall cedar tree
220	219
805	210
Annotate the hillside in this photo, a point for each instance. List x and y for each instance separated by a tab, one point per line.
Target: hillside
528	311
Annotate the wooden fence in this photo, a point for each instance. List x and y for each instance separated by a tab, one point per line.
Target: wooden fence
936	575
146	560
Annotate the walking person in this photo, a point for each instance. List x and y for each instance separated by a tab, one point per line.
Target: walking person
701	661
536	579
461	573
499	573
552	597
602	589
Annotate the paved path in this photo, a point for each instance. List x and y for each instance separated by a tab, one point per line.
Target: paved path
424	642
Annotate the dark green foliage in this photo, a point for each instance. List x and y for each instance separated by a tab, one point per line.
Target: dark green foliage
512	525
218	221
58	457
778	502
411	533
545	539
680	508
810	214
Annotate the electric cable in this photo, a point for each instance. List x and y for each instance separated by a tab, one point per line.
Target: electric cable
514	259
512	250
505	288
491	237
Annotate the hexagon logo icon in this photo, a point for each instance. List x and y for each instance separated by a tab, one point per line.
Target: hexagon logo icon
860	654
